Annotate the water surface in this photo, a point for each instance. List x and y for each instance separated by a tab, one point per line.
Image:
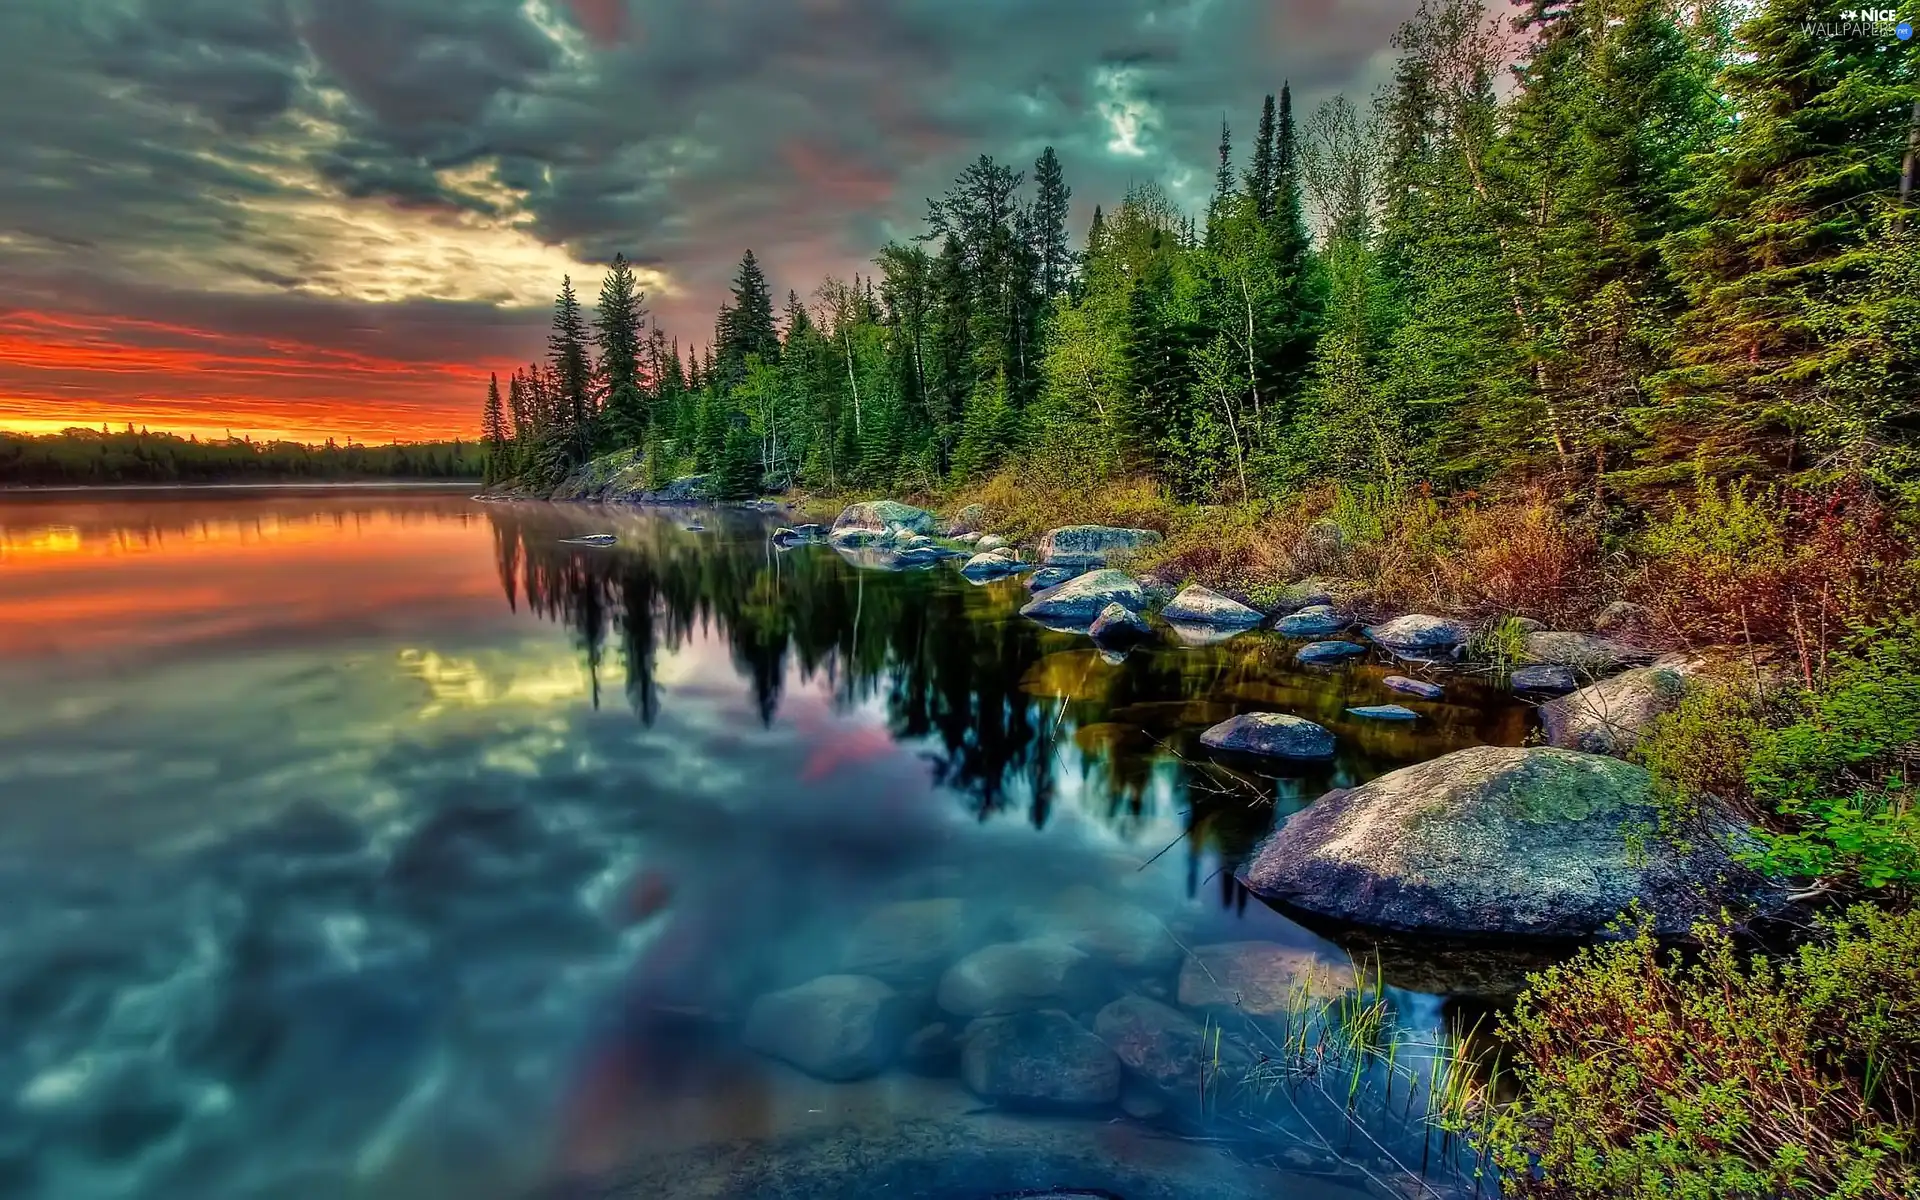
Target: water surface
381	844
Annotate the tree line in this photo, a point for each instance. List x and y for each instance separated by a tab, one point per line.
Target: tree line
81	456
1677	247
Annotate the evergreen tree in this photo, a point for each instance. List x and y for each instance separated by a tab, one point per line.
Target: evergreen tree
746	326
572	377
493	430
1262	176
1050	225
617	325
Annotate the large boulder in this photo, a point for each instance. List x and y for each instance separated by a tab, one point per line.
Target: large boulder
875	520
834	1027
1608	717
1080	599
1259	978
1196	605
1275	735
971	519
1042	1059
1586	653
1544	679
1500	840
1165	1047
1091	545
1418	636
1019	976
1313	621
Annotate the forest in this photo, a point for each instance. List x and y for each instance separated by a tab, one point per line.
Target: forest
1662	247
1596	300
81	457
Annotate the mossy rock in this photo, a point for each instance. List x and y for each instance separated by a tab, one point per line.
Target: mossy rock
1536	841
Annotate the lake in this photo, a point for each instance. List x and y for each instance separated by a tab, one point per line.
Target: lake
380	843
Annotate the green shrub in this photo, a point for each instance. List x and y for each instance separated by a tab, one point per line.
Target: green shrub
1724	1075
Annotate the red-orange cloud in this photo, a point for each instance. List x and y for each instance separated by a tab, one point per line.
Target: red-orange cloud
61	369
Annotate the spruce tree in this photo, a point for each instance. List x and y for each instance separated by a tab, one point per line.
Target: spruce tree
1799	351
493	429
571	380
1261	177
746	326
1050	225
617	324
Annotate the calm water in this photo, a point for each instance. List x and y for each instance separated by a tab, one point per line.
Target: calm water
382	845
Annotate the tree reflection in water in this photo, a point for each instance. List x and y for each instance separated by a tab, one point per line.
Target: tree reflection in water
1005	709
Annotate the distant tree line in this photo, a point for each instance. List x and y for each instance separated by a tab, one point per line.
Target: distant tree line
81	456
1679	246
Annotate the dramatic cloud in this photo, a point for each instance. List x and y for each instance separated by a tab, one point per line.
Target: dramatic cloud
335	216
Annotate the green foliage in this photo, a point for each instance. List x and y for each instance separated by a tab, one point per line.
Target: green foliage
1722	1075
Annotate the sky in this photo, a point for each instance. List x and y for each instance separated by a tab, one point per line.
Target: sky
333	218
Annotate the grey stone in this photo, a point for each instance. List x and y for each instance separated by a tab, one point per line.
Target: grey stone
1314	621
1042	1059
968	520
1107	927
1317	654
1047	577
1385	712
1167	1049
1544	679
1623	618
1196	605
1259	979
1092	545
1533	841
1119	625
1587	653
909	942
1080	599
931	1049
1415	687
1420	636
834	1027
992	565
1276	735
1019	976
872	521
991	541
1608	717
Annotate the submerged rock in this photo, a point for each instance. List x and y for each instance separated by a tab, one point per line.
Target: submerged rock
1164	1047
834	1027
1259	978
1119	625
1196	605
1039	1059
1316	654
1018	976
873	520
909	942
1544	679
1420	636
1608	717
1091	545
1385	712
1414	687
1317	620
1109	928
1276	735
1500	840
931	1049
1080	599
592	539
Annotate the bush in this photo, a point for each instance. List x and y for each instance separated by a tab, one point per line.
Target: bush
1725	1076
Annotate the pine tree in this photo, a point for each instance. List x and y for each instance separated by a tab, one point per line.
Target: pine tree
617	325
1261	177
493	430
746	326
1050	225
572	376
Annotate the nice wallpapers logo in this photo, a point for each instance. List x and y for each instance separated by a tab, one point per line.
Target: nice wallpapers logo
1864	22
